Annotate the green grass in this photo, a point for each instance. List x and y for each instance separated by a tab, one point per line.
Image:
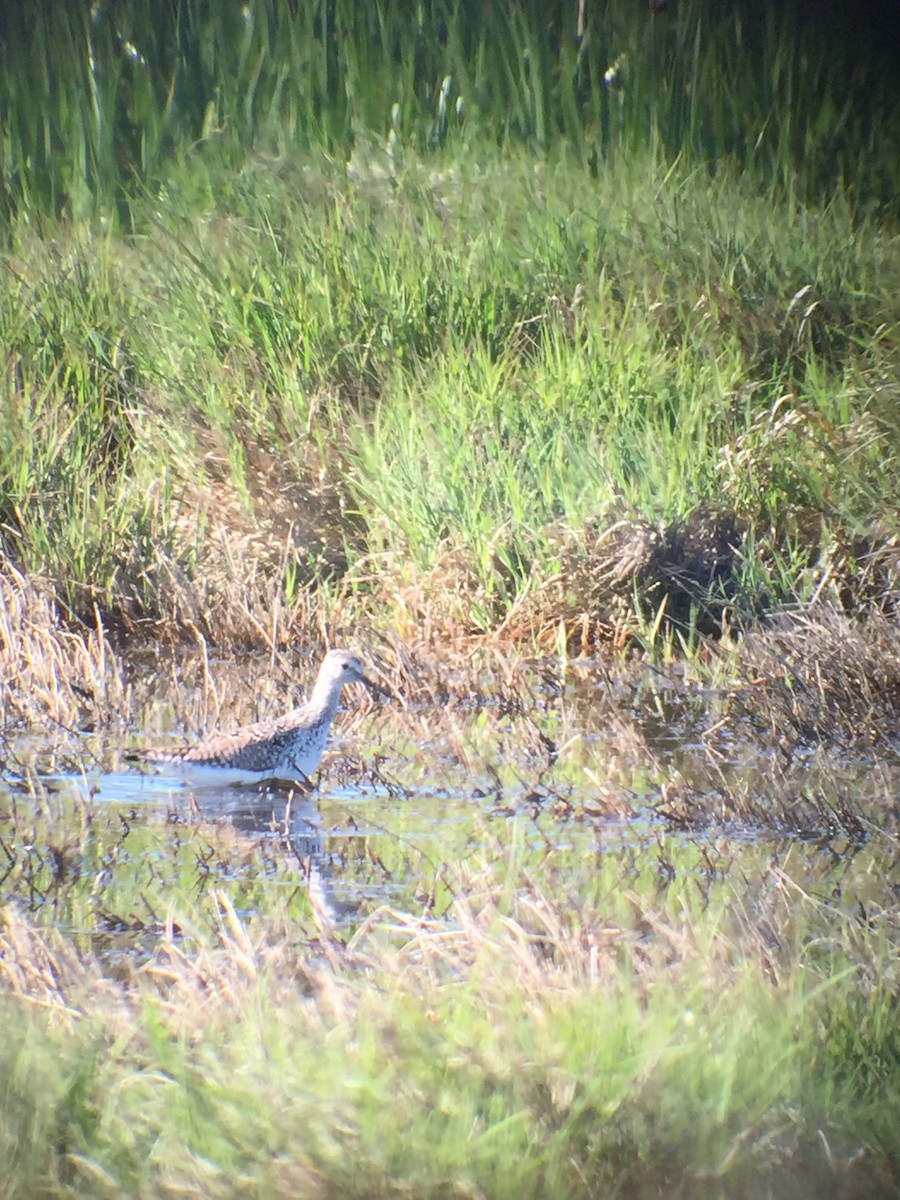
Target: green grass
623	347
667	1031
630	297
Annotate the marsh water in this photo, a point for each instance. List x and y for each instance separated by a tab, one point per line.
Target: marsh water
558	768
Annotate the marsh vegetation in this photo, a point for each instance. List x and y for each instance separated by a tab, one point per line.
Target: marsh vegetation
555	368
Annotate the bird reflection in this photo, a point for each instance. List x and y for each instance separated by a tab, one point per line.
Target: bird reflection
292	817
289	813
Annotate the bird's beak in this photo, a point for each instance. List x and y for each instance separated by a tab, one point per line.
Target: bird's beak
376	688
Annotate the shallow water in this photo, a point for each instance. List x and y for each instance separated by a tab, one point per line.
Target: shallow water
570	771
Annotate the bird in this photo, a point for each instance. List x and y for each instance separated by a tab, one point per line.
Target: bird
285	751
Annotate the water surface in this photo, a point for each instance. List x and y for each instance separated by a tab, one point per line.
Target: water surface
569	774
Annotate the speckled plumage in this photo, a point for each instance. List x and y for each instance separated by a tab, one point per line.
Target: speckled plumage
287	750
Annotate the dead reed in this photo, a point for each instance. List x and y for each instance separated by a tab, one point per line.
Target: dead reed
820	675
51	672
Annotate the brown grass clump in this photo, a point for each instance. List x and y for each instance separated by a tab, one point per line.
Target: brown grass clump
676	577
267	548
689	566
864	574
682	576
821	675
48	673
247	548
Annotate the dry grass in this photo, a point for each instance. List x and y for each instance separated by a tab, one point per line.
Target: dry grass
267	547
550	948
42	968
819	675
51	673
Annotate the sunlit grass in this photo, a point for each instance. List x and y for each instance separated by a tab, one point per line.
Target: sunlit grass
659	1027
272	395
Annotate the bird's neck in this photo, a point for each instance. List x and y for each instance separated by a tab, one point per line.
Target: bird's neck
325	698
